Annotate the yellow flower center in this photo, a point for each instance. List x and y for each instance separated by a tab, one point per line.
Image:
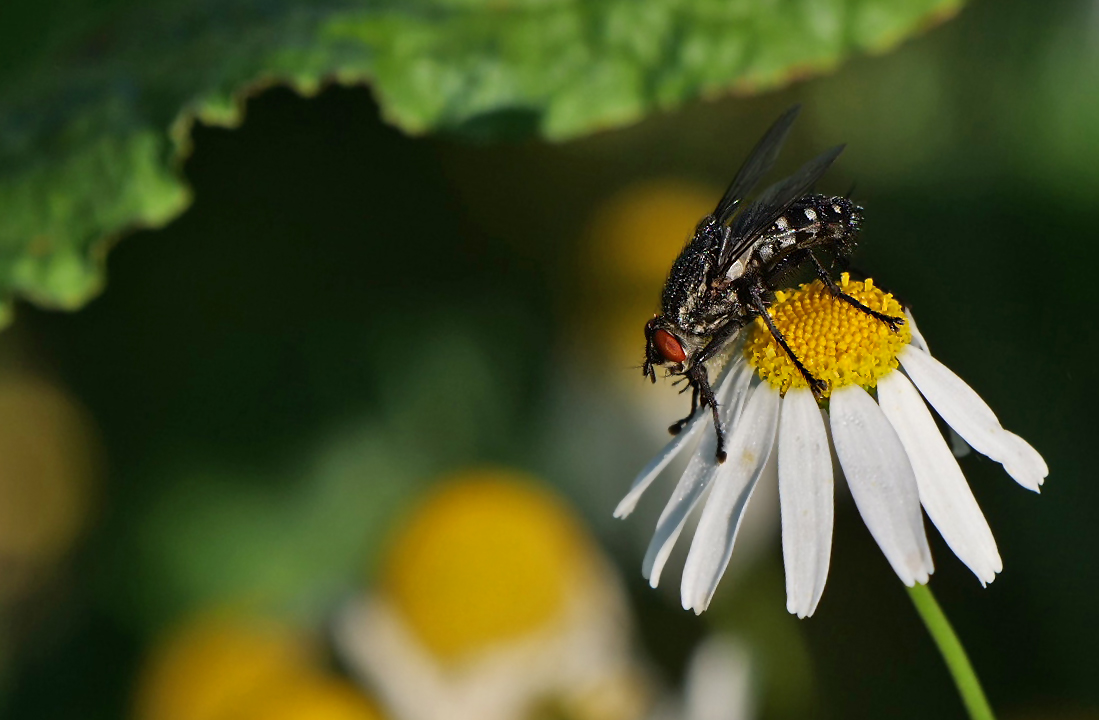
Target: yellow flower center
836	342
488	558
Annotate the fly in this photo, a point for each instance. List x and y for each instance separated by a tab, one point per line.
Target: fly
727	274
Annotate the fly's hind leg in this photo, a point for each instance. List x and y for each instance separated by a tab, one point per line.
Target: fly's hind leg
894	323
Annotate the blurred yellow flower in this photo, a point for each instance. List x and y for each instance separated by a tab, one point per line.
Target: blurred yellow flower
637	233
632	240
488	558
311	697
229	667
495	604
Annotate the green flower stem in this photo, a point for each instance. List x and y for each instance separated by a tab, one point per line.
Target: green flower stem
952	651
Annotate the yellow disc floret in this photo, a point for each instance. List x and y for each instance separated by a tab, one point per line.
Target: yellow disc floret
837	342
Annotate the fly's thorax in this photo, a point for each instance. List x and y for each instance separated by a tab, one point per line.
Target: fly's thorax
688	283
713	314
678	334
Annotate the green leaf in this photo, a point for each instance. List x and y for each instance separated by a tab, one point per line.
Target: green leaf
94	124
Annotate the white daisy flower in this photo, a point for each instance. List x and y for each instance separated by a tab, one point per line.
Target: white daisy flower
718	684
887	442
493	603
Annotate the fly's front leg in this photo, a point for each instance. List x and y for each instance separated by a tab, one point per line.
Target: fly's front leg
817	386
894	323
699	379
678	425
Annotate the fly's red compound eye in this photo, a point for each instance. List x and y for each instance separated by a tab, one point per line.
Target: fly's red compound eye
668	346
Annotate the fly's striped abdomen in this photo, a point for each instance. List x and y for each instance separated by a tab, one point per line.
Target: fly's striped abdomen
813	221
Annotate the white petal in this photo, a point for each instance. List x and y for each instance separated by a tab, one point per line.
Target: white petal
1023	462
944	492
965	411
805	494
749	449
881	481
738	395
384	654
700	471
645	478
917	337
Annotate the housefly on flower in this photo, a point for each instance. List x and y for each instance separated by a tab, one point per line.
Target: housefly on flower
727	274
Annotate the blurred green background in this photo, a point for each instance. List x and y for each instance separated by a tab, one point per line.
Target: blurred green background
347	313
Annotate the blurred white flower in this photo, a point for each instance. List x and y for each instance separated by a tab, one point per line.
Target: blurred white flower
718	684
889	448
494	604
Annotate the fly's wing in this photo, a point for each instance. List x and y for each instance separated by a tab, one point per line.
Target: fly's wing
770	205
756	166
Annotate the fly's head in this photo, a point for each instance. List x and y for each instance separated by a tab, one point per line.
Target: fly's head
668	347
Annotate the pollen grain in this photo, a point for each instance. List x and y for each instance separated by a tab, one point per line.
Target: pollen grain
837	343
